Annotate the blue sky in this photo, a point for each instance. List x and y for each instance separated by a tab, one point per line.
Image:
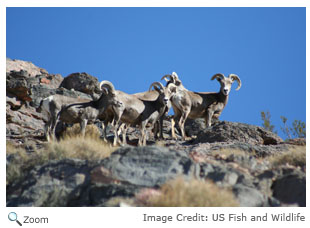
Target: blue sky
133	47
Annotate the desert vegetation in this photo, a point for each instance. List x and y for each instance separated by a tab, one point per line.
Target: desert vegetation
191	193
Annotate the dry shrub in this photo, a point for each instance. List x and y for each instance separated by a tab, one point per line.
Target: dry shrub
21	161
17	160
193	193
91	131
296	156
86	148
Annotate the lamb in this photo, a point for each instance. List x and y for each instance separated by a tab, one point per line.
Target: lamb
51	106
141	112
207	105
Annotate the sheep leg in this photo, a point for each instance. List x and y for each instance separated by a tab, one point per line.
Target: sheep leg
161	123
47	130
172	129
182	123
115	133
124	133
155	130
209	117
52	128
145	136
83	126
142	138
176	119
104	125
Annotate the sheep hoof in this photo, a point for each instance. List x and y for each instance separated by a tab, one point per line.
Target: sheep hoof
187	138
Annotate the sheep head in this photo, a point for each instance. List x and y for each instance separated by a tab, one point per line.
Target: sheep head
108	86
226	82
165	93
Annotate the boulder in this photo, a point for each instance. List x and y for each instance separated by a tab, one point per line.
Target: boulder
148	166
250	197
53	184
230	131
290	188
18	85
82	82
23	122
25	88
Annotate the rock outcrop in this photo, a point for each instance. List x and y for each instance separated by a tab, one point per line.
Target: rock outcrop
82	82
26	86
234	156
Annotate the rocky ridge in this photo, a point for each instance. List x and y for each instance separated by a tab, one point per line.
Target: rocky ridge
234	156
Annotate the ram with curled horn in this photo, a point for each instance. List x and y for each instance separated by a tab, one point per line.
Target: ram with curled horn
207	105
137	111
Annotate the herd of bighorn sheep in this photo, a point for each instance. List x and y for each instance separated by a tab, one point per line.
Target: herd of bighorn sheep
122	110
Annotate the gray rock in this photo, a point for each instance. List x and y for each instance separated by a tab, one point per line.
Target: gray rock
290	188
54	184
219	174
100	194
25	88
229	131
18	85
148	166
82	82
249	197
193	127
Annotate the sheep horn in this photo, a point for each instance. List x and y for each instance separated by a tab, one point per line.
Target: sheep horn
234	77
218	76
161	87
167	76
108	85
175	76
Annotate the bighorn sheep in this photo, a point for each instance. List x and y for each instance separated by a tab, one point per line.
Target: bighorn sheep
140	112
105	108
151	96
207	105
51	106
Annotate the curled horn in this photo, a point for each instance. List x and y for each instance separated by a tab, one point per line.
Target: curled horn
108	85
169	78
161	87
234	77
218	76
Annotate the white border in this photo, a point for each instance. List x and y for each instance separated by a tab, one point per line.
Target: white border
95	217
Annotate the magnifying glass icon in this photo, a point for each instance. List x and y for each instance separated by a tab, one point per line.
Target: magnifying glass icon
13	217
